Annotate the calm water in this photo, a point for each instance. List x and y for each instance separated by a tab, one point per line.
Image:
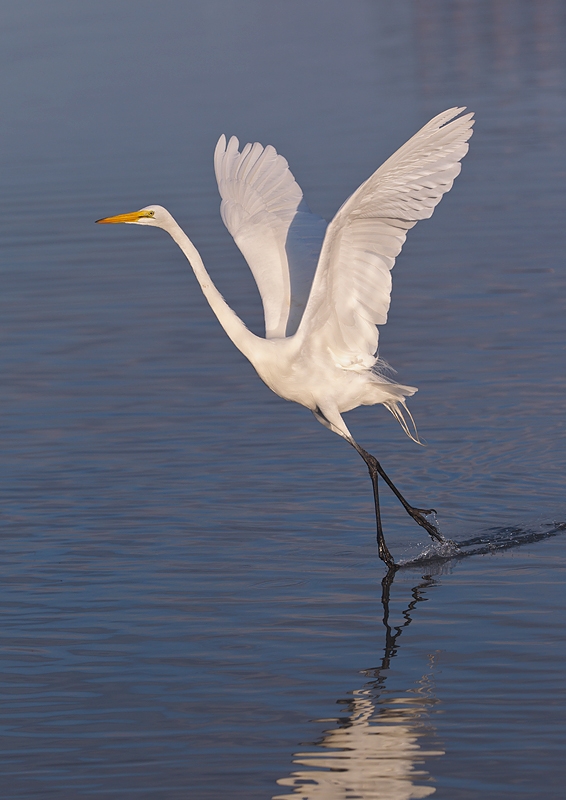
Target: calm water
191	599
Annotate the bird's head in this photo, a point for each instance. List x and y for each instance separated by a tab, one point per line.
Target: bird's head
150	215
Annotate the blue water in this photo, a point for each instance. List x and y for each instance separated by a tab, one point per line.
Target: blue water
191	599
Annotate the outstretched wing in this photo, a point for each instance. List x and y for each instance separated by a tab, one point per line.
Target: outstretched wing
263	208
352	286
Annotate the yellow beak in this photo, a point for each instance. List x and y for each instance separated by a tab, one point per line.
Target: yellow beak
133	216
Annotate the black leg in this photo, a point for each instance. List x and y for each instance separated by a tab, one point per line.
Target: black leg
382	548
418	514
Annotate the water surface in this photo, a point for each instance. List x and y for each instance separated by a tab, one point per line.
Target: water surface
191	599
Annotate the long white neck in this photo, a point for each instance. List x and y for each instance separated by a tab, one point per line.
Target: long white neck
246	341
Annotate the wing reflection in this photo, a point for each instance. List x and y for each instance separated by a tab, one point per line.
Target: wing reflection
375	750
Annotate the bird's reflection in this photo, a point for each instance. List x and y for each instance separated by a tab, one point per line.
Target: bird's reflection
376	748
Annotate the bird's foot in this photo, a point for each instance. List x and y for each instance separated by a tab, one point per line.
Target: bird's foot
386	556
389	563
420	517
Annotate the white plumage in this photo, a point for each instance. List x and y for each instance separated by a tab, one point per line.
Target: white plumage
324	289
263	208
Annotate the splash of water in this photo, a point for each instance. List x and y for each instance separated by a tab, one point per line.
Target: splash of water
492	540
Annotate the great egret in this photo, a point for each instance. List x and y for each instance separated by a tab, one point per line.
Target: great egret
324	289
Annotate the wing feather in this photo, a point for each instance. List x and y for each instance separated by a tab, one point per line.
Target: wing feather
263	208
351	291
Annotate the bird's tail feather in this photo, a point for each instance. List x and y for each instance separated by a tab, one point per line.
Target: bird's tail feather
395	394
399	409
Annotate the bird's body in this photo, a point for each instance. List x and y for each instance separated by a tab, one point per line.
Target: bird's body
289	369
324	289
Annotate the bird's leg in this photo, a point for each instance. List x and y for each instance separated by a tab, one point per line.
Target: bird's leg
382	548
418	514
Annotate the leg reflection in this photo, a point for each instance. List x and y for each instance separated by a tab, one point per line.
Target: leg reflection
378	747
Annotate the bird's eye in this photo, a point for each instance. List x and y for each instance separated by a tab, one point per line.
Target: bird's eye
152	213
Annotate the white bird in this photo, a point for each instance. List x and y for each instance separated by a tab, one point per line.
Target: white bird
325	288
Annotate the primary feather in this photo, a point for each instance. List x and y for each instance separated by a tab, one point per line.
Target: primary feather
352	287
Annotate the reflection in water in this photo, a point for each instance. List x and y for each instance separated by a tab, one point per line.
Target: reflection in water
374	749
